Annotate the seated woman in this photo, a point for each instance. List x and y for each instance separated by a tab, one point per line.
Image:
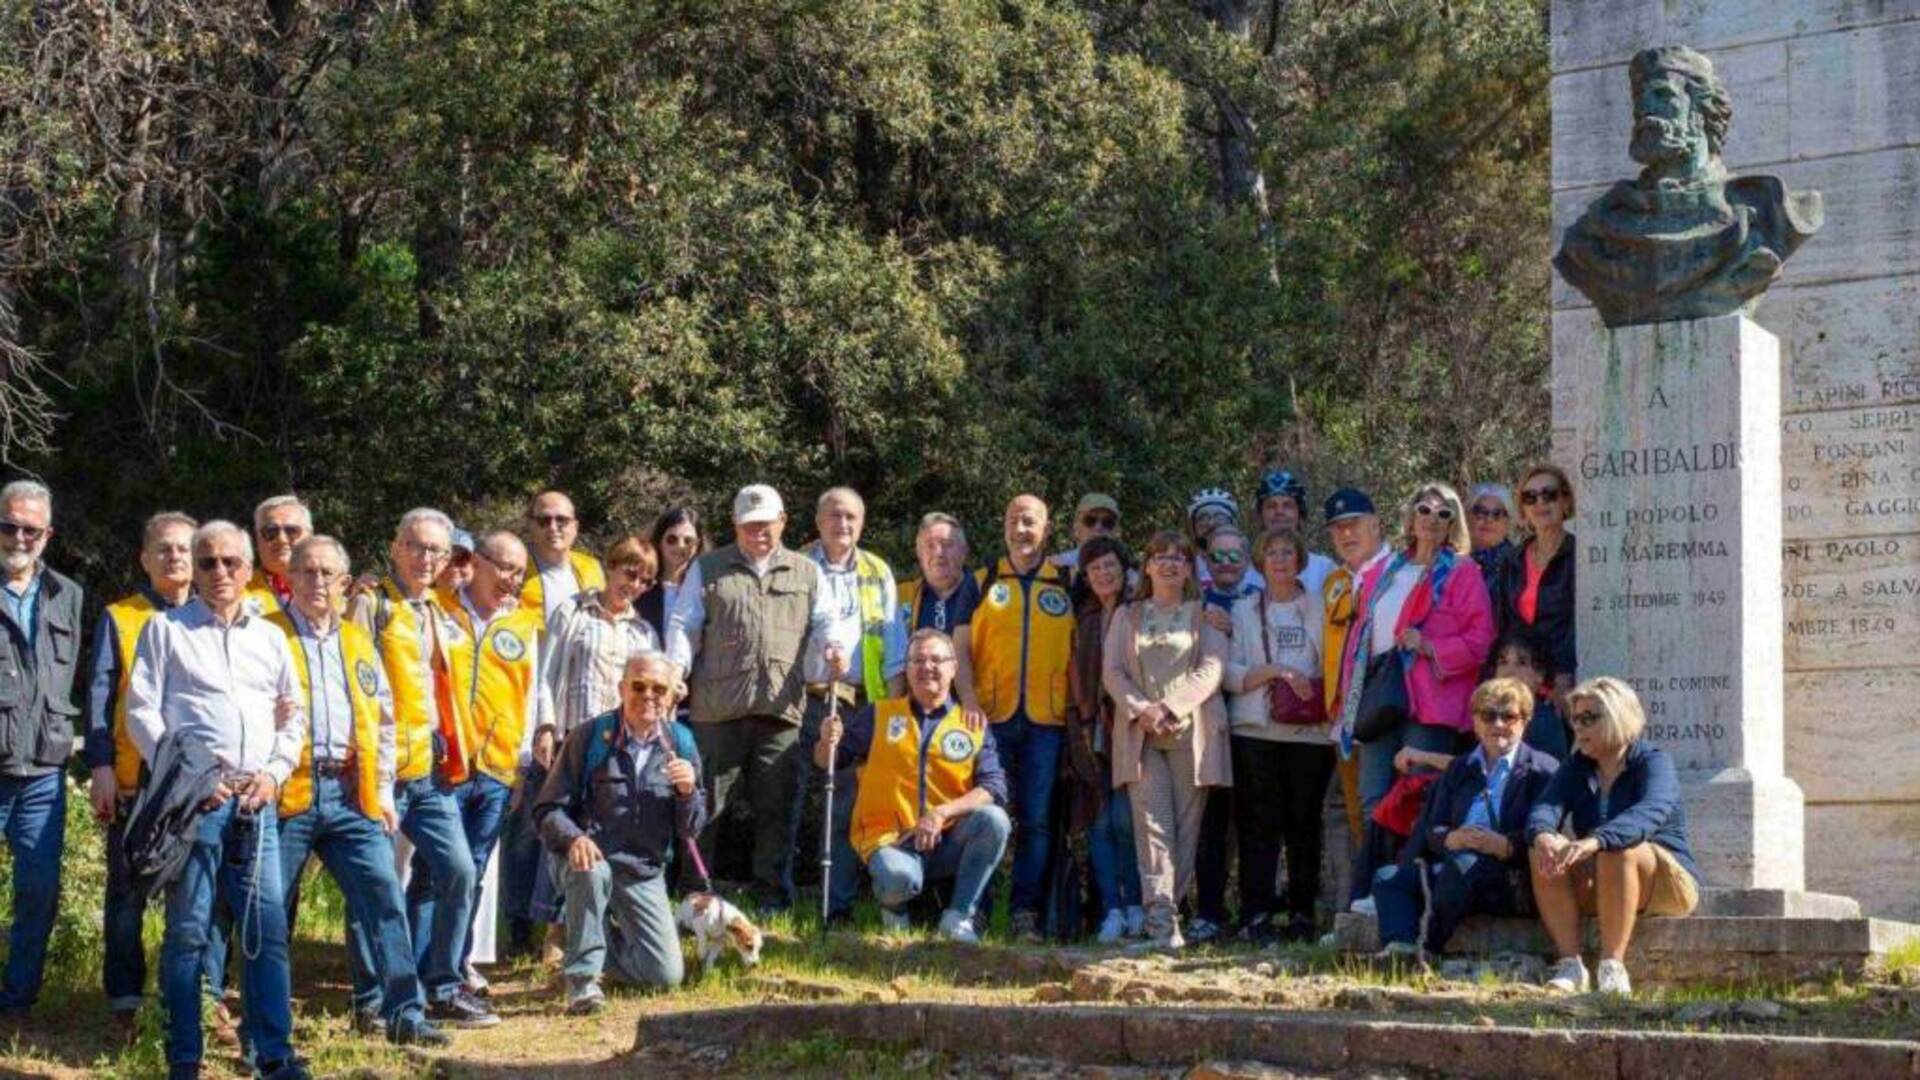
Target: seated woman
1470	842
1628	853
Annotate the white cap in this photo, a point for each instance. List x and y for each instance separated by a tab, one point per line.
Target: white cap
757	502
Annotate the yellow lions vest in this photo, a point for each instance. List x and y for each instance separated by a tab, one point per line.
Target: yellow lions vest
502	681
398	639
129	618
1022	643
586	570
898	775
363	690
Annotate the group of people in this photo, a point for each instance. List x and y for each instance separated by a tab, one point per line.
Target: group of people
595	719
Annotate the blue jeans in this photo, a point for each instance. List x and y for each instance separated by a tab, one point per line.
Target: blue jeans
430	817
356	851
619	920
1116	870
524	885
1463	883
1030	753
33	813
482	806
1376	758
235	857
967	853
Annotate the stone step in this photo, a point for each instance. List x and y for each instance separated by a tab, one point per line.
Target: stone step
1698	948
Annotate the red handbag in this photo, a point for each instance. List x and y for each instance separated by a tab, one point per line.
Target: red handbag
1400	809
1283	705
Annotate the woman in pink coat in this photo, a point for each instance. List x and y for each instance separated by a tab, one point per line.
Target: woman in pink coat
1429	602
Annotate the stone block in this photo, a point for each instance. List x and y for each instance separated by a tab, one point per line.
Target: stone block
1660	1055
1155	1037
1586	33
1086	1035
1853	736
1867	851
1847	345
1852	603
1593	116
1853	90
1776	904
1492	1053
1852	472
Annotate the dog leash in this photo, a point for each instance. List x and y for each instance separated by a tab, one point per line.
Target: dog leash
693	845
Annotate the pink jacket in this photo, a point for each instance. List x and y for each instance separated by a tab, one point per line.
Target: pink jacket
1459	631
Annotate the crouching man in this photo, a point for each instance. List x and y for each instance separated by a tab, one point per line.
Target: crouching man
931	791
624	788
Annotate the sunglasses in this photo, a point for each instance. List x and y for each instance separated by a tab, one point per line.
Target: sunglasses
1099	521
1486	513
552	521
1444	513
649	688
1228	557
1586	719
207	564
25	533
1539	495
1494	716
672	540
635	573
275	532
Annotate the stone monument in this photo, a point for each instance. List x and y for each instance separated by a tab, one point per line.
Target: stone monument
1676	450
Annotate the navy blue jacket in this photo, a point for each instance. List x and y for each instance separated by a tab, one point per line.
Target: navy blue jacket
1552	625
1453	795
633	819
1644	805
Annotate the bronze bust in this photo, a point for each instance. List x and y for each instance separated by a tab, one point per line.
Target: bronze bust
1683	240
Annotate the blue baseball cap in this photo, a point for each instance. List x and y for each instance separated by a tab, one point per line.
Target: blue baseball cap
1346	503
461	540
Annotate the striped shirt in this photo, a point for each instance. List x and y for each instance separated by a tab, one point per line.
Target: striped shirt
587	650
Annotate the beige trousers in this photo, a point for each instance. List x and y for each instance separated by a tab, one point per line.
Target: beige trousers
1167	808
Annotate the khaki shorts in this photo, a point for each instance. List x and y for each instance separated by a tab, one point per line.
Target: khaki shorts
1672	892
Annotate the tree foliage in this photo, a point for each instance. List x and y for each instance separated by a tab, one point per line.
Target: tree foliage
451	251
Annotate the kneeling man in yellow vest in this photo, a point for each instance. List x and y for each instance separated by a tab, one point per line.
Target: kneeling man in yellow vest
931	791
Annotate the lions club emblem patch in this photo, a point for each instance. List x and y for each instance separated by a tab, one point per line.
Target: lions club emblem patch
1053	602
507	645
956	746
896	729
999	594
368	679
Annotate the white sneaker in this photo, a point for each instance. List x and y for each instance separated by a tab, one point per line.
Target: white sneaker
895	922
1363	906
476	983
1169	939
1611	978
957	927
1398	950
1136	921
1113	927
1570	976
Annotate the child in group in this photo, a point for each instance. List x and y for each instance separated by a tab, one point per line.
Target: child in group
1517	656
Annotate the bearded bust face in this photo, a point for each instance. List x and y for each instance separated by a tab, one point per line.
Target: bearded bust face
1680	114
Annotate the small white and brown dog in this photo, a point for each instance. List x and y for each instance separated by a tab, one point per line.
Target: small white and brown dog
717	926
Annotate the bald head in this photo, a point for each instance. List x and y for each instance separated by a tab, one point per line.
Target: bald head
1026	531
499	570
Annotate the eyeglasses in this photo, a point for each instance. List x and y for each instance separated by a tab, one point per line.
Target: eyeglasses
552	521
1168	558
1444	513
503	569
322	572
649	688
672	540
1227	557
1489	513
460	557
207	564
275	532
26	534
1495	716
1538	495
430	552
1586	719
931	661
632	572
1099	521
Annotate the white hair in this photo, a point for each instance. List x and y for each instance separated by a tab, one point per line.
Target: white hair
841	492
419	514
27	491
268	505
928	521
320	540
220	527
